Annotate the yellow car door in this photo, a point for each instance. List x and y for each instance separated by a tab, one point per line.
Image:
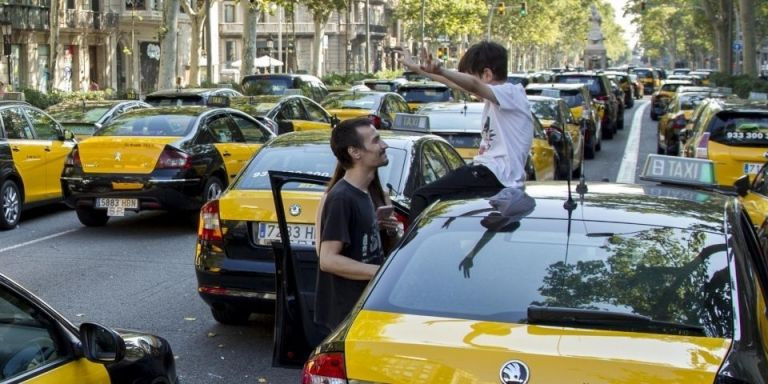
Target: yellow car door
230	143
542	153
755	201
50	136
28	154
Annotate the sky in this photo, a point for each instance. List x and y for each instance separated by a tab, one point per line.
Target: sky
630	34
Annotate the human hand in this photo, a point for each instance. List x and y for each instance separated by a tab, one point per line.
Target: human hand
406	59
390	224
429	64
465	265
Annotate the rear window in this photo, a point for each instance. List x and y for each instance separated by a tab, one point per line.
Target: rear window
362	100
313	159
463	140
266	86
379	86
544	110
593	83
75	114
644	73
425	95
670	87
740	129
454	121
168	101
572	99
158	125
460	268
518	80
691	101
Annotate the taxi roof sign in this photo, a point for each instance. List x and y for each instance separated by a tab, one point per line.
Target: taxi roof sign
411	122
679	170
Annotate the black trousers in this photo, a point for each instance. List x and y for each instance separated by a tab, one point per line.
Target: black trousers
466	181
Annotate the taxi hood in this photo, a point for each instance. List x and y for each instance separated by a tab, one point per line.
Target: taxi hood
390	347
122	154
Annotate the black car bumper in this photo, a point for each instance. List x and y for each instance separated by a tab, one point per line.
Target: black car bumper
153	191
148	359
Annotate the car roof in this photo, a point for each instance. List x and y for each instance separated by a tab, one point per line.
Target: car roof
653	205
450	106
563	86
423	84
742	105
90	103
675	81
542	98
184	92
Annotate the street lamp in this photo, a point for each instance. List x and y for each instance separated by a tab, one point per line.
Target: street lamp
7	29
270	45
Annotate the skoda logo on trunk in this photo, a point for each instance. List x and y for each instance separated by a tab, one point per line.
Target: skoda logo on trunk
514	372
118	156
295	210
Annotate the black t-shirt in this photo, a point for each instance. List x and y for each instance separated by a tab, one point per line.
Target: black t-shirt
348	216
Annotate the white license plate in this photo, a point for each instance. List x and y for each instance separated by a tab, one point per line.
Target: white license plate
299	233
752	168
116	207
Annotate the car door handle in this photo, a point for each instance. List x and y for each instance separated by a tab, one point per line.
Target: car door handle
226	154
47	149
16	149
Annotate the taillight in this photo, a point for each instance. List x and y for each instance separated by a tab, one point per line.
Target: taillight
679	122
375	120
601	98
173	158
73	160
210	225
702	145
402	219
325	368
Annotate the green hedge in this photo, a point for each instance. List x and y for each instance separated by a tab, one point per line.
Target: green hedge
741	85
45	100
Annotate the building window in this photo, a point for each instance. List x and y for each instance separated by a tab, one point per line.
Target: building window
230	48
70	4
135	4
229	13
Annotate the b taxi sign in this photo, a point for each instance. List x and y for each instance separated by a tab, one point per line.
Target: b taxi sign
411	122
679	170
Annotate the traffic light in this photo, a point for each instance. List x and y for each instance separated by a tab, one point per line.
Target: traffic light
442	53
500	8
523	8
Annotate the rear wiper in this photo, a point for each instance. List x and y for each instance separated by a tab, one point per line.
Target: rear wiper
597	317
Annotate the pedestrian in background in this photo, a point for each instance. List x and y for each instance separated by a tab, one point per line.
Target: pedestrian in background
507	124
354	209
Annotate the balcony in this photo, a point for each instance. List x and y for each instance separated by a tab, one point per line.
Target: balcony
29	16
99	21
272	28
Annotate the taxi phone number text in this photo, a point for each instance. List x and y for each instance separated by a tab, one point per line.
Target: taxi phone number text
747	135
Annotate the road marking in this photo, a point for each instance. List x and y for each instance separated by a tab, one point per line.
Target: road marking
37	240
632	150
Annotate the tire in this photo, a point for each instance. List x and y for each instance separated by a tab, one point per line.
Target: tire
653	115
589	150
608	133
229	315
10	205
660	150
92	217
620	123
212	189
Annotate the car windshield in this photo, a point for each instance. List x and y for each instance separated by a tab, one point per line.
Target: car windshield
591	82
572	98
688	102
748	129
175	100
357	100
425	95
644	73
381	86
266	86
472	268
544	110
670	87
313	159
152	125
78	114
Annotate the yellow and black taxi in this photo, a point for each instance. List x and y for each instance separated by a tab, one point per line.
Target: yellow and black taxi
171	159
384	85
286	113
381	107
678	114
579	101
637	85
188	96
624	283
564	134
660	99
626	86
33	149
417	94
603	98
733	133
40	346
703	74
234	260
649	78
695	80
83	117
754	197
279	84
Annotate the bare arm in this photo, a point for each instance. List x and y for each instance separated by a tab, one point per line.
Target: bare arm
332	261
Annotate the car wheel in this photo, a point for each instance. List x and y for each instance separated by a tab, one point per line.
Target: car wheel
660	150
620	123
229	315
608	132
213	188
653	116
92	217
10	205
590	149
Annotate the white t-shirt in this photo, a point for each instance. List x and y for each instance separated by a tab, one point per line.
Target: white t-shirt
507	134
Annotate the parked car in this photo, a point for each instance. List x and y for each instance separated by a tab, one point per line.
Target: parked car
84	117
284	84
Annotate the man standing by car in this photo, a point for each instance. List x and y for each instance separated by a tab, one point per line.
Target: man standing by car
350	244
507	132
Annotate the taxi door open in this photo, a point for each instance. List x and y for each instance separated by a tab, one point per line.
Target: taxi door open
28	153
230	144
56	147
295	333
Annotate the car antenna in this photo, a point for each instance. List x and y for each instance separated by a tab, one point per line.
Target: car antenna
465	107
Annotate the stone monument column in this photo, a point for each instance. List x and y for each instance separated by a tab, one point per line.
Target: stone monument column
594	53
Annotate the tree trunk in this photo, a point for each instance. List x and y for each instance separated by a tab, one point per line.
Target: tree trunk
196	23
318	58
168	43
250	24
747	13
53	45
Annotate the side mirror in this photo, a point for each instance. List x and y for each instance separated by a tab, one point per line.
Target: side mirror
742	185
101	344
554	136
98	125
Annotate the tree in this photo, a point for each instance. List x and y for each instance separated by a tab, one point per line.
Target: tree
747	16
53	43
198	15
321	11
168	43
449	18
251	10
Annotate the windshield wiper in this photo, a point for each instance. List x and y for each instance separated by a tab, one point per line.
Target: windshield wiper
597	317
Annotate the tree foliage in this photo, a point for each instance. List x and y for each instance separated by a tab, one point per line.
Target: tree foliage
450	18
